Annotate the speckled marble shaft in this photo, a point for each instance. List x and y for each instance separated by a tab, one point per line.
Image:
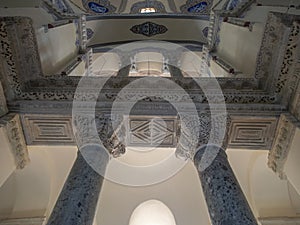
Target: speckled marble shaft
77	201
225	200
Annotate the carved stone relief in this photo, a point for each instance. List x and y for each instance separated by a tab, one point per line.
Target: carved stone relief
151	131
3	106
12	125
277	58
252	133
284	135
48	129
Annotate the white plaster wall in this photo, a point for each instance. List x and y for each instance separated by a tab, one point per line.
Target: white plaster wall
182	194
239	46
57	47
32	191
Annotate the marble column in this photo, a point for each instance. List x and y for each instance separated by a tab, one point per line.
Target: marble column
77	201
225	200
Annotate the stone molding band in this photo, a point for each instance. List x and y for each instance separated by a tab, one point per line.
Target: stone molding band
12	125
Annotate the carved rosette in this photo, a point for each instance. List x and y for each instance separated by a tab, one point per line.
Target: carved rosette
12	125
283	138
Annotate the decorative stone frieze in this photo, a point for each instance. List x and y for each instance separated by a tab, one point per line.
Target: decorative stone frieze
3	106
272	49
289	76
283	138
252	132
21	37
277	58
12	125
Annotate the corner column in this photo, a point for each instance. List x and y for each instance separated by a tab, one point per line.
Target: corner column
225	200
77	202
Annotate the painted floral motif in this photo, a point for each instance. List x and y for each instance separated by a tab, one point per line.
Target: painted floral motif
196	6
98	6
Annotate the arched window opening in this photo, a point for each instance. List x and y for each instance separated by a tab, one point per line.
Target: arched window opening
152	212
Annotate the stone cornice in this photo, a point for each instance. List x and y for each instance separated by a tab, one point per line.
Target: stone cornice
283	138
12	125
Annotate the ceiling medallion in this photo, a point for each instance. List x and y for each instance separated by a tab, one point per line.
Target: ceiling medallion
197	6
137	7
149	29
98	6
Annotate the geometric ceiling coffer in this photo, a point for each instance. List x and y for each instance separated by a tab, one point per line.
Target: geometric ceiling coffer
48	129
151	132
197	6
98	6
149	29
138	6
256	133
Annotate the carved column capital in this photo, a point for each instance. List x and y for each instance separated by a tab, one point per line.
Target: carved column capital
195	131
12	125
281	146
93	129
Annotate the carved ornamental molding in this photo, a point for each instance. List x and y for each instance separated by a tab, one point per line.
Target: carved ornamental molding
3	106
278	57
283	138
252	132
12	125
